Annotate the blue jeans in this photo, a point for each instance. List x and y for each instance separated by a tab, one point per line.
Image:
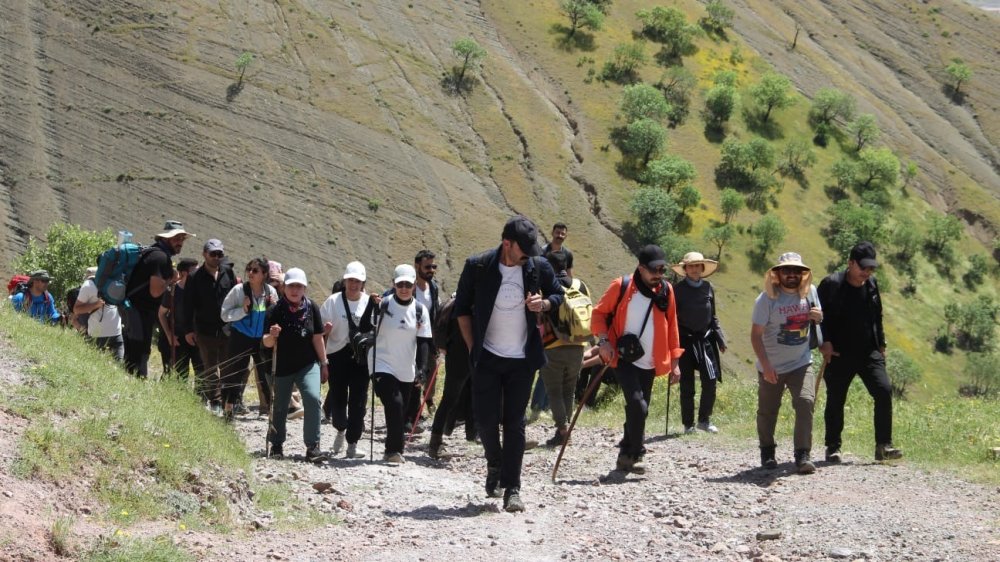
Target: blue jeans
307	380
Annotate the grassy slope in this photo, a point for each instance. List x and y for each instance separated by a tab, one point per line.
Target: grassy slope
912	322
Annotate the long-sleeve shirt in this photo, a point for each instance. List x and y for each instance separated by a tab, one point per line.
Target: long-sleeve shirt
666	341
249	324
41	307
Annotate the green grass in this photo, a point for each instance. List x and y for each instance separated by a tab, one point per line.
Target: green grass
122	548
947	432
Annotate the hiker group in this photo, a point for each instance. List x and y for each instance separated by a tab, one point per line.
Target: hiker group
517	310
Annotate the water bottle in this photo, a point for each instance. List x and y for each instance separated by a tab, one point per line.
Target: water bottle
124	237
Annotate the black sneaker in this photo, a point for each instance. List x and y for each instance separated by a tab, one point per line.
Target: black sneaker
555	441
886	452
276	453
833	455
493	482
314	454
239	409
767	458
512	501
803	462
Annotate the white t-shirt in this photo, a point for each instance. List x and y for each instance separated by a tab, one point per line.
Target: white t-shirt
103	322
507	332
637	308
423	296
396	346
333	311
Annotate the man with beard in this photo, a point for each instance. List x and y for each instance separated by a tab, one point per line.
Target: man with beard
636	325
782	315
146	286
500	294
426	292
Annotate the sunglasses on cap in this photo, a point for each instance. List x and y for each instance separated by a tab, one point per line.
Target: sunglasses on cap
404	285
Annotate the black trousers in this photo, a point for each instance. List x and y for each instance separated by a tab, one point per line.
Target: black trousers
839	374
393	394
688	365
186	357
138	336
345	402
241	349
637	386
500	391
451	406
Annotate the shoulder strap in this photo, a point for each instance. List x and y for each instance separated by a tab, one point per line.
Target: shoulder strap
347	309
621	295
420	313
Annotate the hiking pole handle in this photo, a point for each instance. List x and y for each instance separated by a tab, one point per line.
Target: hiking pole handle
583	401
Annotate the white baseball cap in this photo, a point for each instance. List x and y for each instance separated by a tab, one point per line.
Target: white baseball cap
404	272
296	276
355	270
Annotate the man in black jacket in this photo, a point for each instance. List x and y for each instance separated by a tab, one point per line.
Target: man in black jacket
855	345
202	319
500	294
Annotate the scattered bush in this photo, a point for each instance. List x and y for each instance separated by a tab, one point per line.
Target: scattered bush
68	251
903	372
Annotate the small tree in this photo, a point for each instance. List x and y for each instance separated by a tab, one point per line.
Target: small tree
643	139
719	18
976	272
242	62
471	56
719	236
726	78
772	92
668	172
864	130
687	197
640	101
669	27
942	230
984	373
768	233
831	105
582	14
732	203
625	62
67	252
720	104
910	172
654	213
796	157
959	72
844	172
905	240
851	222
677	84
879	167
903	372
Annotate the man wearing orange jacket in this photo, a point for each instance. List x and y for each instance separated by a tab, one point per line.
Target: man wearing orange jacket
636	324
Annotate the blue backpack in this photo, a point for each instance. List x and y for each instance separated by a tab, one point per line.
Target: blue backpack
114	267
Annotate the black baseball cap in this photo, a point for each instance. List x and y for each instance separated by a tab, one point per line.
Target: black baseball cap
864	254
521	230
652	256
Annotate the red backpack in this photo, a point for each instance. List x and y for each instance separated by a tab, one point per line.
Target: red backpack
17	284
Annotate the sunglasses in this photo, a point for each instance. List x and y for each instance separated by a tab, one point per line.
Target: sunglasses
790	270
404	285
216	254
253	270
661	270
430	267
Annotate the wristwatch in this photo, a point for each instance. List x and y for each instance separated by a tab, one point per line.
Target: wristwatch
602	339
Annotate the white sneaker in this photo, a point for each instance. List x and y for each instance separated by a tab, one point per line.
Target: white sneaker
707	427
338	442
352	452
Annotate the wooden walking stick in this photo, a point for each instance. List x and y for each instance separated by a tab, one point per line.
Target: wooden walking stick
666	431
420	410
583	401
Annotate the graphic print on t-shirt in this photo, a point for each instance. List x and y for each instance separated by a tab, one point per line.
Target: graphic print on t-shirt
795	330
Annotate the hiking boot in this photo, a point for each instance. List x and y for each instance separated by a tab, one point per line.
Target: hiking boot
296	413
419	428
690	430
492	482
624	462
512	501
313	454
276	453
436	450
886	452
394	459
767	458
239	409
338	442
707	427
803	462
833	455
558	439
638	467
352	452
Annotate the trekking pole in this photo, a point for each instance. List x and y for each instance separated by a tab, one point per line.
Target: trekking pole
583	401
819	378
666	431
420	410
270	410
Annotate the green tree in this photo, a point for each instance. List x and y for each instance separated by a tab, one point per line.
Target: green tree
67	252
581	14
669	27
625	62
942	230
768	232
831	105
747	167
974	275
641	101
796	157
905	240
959	72
471	55
242	62
851	222
726	78
643	139
878	166
984	373
719	18
903	372
772	92
844	172
973	324
720	104
719	236
864	130
910	172
687	197
654	213
668	172
732	203
677	85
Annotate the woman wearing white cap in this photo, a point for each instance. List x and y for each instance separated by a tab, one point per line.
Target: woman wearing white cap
403	341
701	338
351	312
296	326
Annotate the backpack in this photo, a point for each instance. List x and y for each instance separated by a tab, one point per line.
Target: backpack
441	324
71	297
573	315
17	284
114	267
